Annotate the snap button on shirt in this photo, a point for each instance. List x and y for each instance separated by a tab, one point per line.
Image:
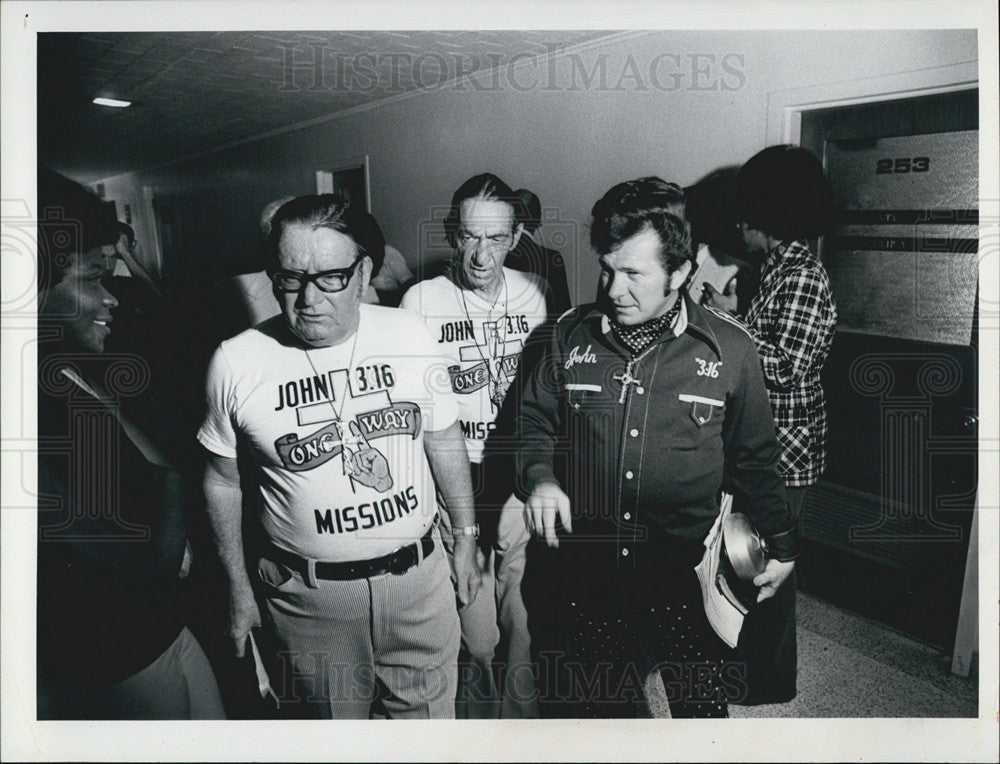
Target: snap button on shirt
634	433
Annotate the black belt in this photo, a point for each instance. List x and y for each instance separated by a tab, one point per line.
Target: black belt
397	562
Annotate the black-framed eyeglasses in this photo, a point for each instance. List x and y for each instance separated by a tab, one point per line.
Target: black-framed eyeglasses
335	280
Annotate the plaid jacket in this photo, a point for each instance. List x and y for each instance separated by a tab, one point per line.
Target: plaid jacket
792	318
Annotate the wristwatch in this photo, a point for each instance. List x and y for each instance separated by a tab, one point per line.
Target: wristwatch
467	530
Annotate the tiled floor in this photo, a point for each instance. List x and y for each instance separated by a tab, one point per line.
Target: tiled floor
850	666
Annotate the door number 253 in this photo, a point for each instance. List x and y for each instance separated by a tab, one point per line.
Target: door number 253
905	164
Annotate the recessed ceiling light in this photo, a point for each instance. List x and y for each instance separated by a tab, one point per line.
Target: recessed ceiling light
112	102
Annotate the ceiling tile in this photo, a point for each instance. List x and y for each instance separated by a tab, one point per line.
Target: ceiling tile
198	90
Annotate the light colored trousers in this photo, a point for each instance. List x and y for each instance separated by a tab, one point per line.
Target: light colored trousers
498	611
381	646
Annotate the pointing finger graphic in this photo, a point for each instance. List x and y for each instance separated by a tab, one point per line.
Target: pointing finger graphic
356	432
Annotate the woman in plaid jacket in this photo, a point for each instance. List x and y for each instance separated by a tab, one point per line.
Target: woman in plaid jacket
783	199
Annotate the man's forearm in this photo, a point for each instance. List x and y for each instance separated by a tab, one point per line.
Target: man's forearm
450	464
536	432
224	504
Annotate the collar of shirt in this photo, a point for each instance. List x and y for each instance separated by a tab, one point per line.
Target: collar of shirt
785	252
691	320
778	261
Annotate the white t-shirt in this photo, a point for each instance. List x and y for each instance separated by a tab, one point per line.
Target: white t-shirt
338	442
470	332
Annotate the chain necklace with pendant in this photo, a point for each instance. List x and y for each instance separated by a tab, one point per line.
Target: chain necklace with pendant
495	346
349	443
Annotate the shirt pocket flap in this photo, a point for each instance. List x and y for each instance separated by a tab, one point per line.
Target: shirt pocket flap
702	408
579	393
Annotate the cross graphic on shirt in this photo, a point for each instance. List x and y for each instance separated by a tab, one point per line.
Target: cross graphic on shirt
352	440
474	353
495	361
326	411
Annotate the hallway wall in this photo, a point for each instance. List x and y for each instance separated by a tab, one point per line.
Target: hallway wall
678	104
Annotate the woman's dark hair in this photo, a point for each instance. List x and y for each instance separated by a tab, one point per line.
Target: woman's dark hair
485	186
326	211
635	205
71	220
783	192
124	229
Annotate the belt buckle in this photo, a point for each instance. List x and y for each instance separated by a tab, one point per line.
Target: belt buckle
402	560
309	574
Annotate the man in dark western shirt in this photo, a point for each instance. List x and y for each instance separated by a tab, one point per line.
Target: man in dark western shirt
630	427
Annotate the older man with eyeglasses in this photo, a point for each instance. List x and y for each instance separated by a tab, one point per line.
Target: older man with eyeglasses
345	411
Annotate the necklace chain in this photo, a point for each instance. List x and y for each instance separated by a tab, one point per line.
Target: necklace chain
347	382
338	414
489	358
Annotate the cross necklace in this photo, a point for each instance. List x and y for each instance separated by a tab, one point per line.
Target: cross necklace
495	346
639	339
626	379
350	442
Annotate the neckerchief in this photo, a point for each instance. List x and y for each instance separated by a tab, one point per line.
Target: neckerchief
638	337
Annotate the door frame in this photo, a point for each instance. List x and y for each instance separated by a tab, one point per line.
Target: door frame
349	163
784	125
785	107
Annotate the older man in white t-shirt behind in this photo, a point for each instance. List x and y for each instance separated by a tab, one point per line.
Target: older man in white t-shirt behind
482	314
352	429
